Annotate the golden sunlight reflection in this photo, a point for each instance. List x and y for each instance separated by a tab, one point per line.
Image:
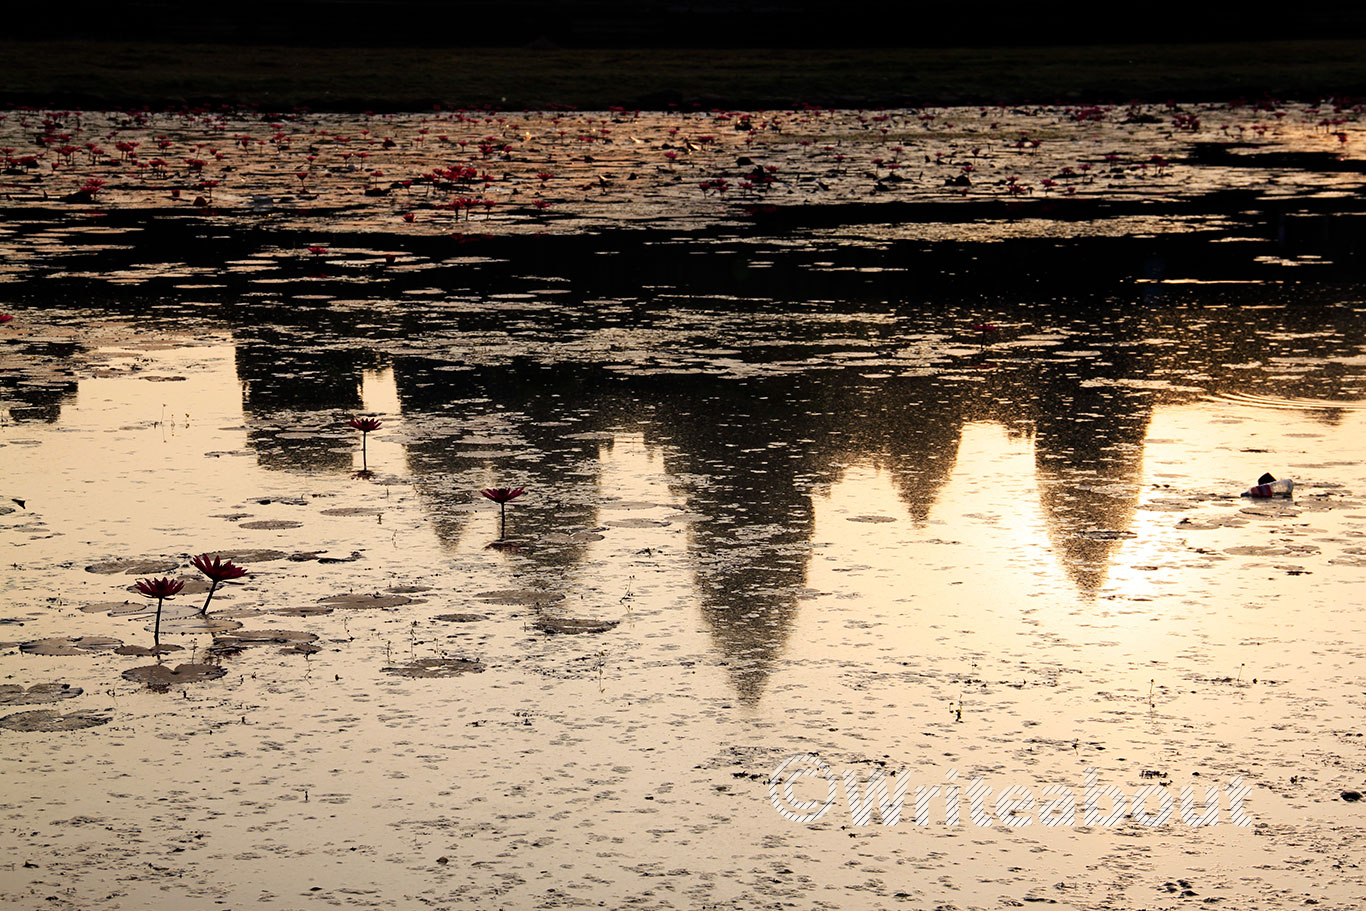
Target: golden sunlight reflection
379	398
926	584
137	419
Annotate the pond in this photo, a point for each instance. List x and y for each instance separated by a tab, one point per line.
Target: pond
893	479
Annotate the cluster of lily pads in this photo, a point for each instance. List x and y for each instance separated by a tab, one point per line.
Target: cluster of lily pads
217	569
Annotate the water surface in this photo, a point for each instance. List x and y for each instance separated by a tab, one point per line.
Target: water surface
939	494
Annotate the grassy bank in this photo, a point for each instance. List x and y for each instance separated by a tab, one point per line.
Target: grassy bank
112	74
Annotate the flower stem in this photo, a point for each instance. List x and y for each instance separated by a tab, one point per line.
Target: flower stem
204	611
156	630
502	521
364	465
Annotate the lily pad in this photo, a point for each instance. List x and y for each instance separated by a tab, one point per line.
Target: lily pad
123	607
263	637
520	596
573	625
134	566
14	694
363	601
1167	505
47	721
198	624
352	511
438	667
1106	534
872	518
507	546
1210	523
193	586
308	610
68	645
142	651
236	613
249	555
1271	550
460	618
577	537
162	675
355	555
636	523
271	524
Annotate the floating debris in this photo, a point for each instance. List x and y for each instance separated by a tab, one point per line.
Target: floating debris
1267	486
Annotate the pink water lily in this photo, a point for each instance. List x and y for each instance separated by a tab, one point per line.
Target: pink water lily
218	570
365	425
161	589
501	496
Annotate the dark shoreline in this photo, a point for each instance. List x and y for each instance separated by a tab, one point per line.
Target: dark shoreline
86	74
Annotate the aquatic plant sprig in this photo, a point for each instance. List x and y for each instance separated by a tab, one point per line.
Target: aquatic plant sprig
161	589
218	570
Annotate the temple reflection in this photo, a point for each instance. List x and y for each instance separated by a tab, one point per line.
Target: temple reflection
745	454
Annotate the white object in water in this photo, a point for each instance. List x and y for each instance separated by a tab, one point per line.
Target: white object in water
1283	488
